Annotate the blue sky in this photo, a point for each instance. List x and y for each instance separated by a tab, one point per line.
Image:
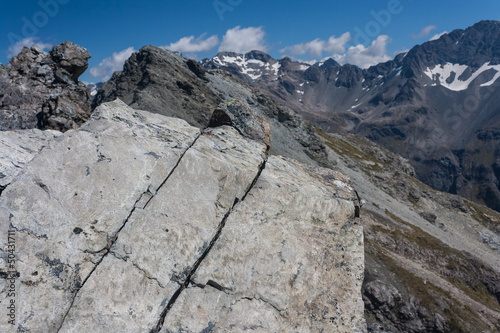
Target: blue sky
362	32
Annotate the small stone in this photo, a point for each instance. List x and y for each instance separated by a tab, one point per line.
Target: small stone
429	216
236	114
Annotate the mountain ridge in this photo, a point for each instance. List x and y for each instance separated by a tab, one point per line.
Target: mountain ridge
435	105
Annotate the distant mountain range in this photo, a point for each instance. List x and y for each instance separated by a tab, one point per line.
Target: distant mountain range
437	104
94	87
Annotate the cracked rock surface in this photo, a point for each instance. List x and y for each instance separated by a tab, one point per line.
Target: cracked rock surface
18	148
137	222
71	200
279	266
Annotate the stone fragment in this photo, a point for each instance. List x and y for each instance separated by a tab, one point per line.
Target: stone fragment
244	119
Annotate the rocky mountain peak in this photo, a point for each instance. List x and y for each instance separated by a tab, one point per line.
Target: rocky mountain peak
473	47
182	93
250	66
228	54
254	54
328	63
147	55
258	55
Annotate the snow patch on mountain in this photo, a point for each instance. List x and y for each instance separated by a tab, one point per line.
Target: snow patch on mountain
254	68
276	68
489	83
93	88
448	75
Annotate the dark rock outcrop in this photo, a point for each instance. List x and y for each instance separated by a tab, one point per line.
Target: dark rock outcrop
244	119
143	84
41	90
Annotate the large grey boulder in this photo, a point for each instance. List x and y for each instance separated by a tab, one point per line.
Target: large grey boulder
73	198
131	221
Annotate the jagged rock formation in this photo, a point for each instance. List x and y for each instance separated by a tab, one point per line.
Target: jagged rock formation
436	105
41	90
144	85
137	222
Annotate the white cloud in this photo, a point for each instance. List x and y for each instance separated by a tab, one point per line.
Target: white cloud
317	47
337	45
437	36
241	40
309	62
111	64
191	44
365	57
424	32
314	48
14	49
335	48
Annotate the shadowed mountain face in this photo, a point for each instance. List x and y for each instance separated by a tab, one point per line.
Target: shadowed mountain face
436	105
142	85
